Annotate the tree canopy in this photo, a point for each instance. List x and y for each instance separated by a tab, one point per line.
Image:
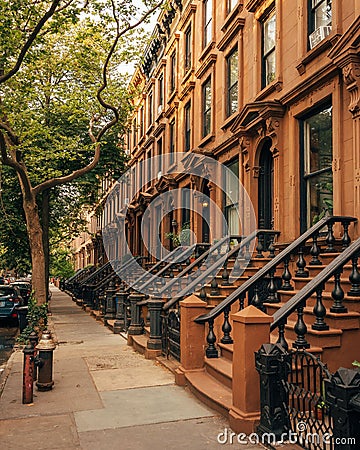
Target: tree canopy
63	106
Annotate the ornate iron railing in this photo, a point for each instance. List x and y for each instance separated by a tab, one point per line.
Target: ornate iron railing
298	301
269	270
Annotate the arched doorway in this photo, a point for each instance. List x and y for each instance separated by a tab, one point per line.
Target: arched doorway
266	187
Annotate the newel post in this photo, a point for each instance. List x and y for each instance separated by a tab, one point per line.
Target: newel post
251	329
192	338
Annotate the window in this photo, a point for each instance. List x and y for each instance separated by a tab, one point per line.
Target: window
172	141
161	93
268	49
172	72
134	132
231	200
187	120
207	22
231	5
320	18
149	175
188	48
185	203
159	156
232	82
141	121
206	107
151	107
316	165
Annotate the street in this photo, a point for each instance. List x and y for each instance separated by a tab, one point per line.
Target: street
7	340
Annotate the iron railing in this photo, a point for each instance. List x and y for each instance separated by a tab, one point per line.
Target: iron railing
269	270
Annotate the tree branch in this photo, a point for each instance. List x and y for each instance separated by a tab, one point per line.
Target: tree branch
30	41
96	139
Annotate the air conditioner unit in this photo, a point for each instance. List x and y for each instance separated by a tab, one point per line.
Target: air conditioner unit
127	151
318	35
160	108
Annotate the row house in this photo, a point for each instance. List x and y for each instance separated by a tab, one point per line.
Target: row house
264	87
270	89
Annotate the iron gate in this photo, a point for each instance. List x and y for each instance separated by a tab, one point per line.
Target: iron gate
309	414
292	398
171	334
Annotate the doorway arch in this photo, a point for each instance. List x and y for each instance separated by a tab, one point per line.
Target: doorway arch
266	187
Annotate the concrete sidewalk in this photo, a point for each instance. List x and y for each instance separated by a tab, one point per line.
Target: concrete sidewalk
105	396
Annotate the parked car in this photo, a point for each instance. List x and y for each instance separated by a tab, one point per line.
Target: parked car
10	299
24	288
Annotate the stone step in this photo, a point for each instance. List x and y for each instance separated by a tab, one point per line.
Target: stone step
220	369
350	302
344	321
210	391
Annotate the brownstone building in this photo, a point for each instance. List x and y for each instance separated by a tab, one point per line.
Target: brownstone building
270	89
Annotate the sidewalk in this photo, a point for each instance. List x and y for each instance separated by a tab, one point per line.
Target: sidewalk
105	396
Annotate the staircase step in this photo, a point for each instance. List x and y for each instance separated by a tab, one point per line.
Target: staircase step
345	321
323	339
139	343
220	369
210	391
226	350
350	302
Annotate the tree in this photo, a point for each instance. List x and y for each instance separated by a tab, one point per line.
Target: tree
38	39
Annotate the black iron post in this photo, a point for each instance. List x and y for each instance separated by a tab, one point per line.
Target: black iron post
110	302
135	324
272	363
155	307
28	373
119	324
342	394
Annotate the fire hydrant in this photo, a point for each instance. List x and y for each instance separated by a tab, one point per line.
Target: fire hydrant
28	374
44	362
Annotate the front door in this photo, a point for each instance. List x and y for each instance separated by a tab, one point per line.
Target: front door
266	188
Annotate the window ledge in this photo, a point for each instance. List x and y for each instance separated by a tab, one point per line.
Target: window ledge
274	86
187	75
149	130
229	120
208	138
324	45
232	14
172	96
207	50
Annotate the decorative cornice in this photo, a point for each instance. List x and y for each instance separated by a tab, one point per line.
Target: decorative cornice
231	33
237	10
254	113
317	80
187	89
159	129
259	6
206	65
191	9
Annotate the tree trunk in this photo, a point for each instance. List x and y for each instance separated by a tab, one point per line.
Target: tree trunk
35	234
45	228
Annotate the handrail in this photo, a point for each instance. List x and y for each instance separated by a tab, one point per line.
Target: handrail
180	257
103	281
170	255
215	267
271	265
281	315
95	273
189	268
